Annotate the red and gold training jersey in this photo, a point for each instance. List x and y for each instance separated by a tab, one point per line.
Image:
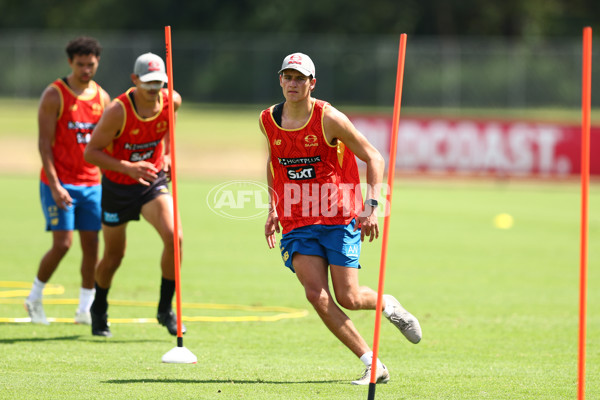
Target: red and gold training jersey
76	120
139	139
315	182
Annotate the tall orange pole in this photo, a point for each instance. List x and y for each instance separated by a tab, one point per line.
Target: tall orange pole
388	211
171	109
586	105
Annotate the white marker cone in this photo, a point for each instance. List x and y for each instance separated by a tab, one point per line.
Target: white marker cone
179	355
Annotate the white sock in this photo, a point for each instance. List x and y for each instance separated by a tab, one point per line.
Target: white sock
36	290
367	359
86	298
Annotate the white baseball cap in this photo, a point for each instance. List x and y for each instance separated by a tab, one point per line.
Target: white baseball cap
150	67
300	62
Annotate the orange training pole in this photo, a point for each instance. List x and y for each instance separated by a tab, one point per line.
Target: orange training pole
586	104
174	183
388	211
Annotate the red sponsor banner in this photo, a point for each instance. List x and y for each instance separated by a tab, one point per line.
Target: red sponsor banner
482	147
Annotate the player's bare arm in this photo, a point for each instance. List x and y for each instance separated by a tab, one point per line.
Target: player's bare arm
337	126
272	224
176	100
103	135
47	115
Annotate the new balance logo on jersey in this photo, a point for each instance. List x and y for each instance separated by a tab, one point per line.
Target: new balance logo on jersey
303	172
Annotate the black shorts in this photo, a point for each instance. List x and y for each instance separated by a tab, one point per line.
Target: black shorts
123	203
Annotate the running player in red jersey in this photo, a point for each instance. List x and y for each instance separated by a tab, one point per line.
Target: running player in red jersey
316	199
131	146
69	186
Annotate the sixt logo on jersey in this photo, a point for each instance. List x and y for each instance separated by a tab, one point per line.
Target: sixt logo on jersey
301	173
135	157
83	138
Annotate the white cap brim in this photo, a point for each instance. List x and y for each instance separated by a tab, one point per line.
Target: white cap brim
298	68
154	76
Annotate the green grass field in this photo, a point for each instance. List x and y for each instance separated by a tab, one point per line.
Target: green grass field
498	308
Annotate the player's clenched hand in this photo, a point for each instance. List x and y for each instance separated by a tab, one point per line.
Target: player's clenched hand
271	226
368	226
167	166
143	172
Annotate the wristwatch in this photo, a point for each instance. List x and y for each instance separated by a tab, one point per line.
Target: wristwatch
371	203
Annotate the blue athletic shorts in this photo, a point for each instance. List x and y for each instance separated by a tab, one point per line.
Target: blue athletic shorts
338	244
83	215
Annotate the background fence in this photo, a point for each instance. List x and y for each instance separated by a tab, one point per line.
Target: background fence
360	70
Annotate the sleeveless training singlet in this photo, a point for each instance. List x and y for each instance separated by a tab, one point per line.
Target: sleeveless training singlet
76	120
315	182
139	139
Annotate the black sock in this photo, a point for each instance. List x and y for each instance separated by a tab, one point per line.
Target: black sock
100	304
167	290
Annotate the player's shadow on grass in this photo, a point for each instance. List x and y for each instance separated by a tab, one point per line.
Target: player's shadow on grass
39	339
236	381
102	340
79	338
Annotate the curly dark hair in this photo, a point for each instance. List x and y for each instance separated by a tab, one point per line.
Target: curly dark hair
83	45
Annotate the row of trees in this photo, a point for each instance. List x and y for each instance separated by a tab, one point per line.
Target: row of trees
513	18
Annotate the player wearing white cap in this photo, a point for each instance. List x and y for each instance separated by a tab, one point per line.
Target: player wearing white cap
131	146
316	200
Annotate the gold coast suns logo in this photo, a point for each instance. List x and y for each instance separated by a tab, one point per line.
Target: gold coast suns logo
161	126
96	109
310	141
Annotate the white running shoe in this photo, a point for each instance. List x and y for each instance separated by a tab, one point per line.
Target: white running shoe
36	311
383	376
403	320
83	318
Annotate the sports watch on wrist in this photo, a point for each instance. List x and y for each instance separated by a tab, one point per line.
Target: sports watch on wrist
371	203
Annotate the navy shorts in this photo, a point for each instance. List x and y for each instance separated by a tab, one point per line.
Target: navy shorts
338	244
82	215
123	203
